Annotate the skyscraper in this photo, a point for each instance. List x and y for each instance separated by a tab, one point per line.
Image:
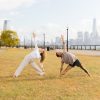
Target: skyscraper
94	34
94	29
58	42
6	25
79	38
86	38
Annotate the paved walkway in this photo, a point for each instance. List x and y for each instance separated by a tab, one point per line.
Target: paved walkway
86	52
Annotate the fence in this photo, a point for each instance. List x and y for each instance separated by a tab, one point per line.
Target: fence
85	47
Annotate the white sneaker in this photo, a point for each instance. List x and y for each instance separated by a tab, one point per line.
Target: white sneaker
42	74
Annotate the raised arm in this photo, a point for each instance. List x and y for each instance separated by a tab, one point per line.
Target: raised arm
34	37
63	42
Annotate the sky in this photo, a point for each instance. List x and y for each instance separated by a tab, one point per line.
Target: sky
51	17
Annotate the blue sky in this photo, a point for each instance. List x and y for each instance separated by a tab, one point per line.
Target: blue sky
50	16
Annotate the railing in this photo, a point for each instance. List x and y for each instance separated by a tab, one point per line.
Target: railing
85	47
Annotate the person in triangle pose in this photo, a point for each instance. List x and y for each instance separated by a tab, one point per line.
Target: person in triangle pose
29	59
70	59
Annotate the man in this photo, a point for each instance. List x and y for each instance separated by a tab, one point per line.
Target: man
70	59
29	59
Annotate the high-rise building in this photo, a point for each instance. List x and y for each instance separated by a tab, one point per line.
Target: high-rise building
79	38
86	38
58	40
94	34
58	43
94	28
6	25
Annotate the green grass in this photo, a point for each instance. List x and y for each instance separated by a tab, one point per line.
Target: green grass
75	85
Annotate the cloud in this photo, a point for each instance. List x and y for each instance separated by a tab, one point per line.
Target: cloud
13	4
51	28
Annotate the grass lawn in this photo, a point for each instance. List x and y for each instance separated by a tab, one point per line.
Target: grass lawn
75	85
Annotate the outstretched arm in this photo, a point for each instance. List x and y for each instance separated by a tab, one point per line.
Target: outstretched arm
41	65
63	42
61	68
66	70
34	37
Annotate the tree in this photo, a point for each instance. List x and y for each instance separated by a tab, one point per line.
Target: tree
9	38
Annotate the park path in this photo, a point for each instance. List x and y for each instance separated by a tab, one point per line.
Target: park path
86	52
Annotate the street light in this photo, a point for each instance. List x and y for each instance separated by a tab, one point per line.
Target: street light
44	40
67	39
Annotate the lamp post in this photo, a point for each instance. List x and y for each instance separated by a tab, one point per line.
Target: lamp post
67	39
44	40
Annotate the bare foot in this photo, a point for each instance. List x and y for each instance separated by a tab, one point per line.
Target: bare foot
63	73
14	76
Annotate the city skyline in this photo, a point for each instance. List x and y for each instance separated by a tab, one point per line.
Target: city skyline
83	38
86	38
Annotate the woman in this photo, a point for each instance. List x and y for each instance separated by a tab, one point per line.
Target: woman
70	59
29	59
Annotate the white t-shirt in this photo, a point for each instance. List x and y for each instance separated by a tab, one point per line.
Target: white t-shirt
35	53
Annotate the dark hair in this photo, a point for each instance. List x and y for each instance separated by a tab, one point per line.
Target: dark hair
42	54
